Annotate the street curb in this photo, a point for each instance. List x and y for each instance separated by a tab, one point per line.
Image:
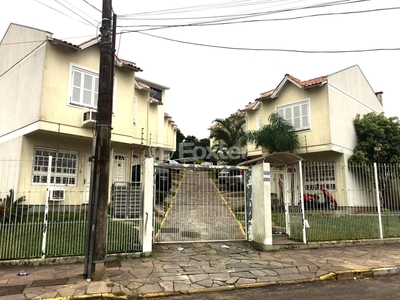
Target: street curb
90	297
386	271
336	275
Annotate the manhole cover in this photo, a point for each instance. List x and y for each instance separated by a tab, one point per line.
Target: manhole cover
50	282
11	290
190	234
169	230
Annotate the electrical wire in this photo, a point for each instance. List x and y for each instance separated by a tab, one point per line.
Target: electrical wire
60	12
154	26
319	5
92	6
232	19
274	49
93	19
74	12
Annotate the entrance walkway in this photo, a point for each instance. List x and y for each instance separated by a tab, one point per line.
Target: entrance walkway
199	212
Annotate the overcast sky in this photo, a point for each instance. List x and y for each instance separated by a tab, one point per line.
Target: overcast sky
218	55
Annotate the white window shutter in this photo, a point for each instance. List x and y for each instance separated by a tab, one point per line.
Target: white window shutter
296	117
76	86
297	114
304	115
259	122
134	110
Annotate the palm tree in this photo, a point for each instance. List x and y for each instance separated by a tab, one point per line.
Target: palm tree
278	136
228	135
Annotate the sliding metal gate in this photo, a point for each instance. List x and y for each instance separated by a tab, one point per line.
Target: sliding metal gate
193	203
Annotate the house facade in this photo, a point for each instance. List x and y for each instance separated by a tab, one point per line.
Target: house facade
322	111
48	95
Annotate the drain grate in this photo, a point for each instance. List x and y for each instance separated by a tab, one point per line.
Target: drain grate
12	290
50	282
190	234
169	230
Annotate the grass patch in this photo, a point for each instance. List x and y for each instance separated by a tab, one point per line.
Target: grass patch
64	238
333	227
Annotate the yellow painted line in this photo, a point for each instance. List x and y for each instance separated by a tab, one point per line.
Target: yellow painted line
226	202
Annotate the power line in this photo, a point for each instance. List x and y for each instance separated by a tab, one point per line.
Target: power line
154	26
99	10
247	21
86	22
248	15
225	5
275	49
74	12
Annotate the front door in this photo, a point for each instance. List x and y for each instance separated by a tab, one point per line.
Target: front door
280	202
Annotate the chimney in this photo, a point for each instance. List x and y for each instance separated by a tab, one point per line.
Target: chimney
379	96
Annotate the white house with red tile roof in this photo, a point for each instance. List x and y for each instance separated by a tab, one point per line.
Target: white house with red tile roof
48	95
322	111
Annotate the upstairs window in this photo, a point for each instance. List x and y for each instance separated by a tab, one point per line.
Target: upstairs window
84	88
156	94
258	122
297	114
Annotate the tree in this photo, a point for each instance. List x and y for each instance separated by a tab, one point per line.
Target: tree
188	144
179	139
11	211
277	136
378	139
228	135
191	139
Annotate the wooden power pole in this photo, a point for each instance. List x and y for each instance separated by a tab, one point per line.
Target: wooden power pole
96	249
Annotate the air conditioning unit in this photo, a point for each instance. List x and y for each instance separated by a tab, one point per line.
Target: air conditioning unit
89	118
56	194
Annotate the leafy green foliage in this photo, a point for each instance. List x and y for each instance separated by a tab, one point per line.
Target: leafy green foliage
277	136
11	211
228	136
378	139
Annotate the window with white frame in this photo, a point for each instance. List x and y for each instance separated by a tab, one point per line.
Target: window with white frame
258	122
64	166
84	88
297	114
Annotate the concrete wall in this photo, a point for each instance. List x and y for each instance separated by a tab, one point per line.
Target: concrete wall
261	204
22	77
349	94
251	124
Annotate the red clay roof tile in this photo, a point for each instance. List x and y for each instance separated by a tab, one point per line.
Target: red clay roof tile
309	82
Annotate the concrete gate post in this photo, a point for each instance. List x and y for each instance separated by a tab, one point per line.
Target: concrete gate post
261	200
148	190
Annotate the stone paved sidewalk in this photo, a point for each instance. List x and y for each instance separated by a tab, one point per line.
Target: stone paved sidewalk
189	268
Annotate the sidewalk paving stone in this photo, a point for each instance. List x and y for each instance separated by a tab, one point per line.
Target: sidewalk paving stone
168	271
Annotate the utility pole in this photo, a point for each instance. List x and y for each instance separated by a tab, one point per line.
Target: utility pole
96	249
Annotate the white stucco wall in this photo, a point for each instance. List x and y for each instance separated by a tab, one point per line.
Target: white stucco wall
22	77
261	201
10	166
349	94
